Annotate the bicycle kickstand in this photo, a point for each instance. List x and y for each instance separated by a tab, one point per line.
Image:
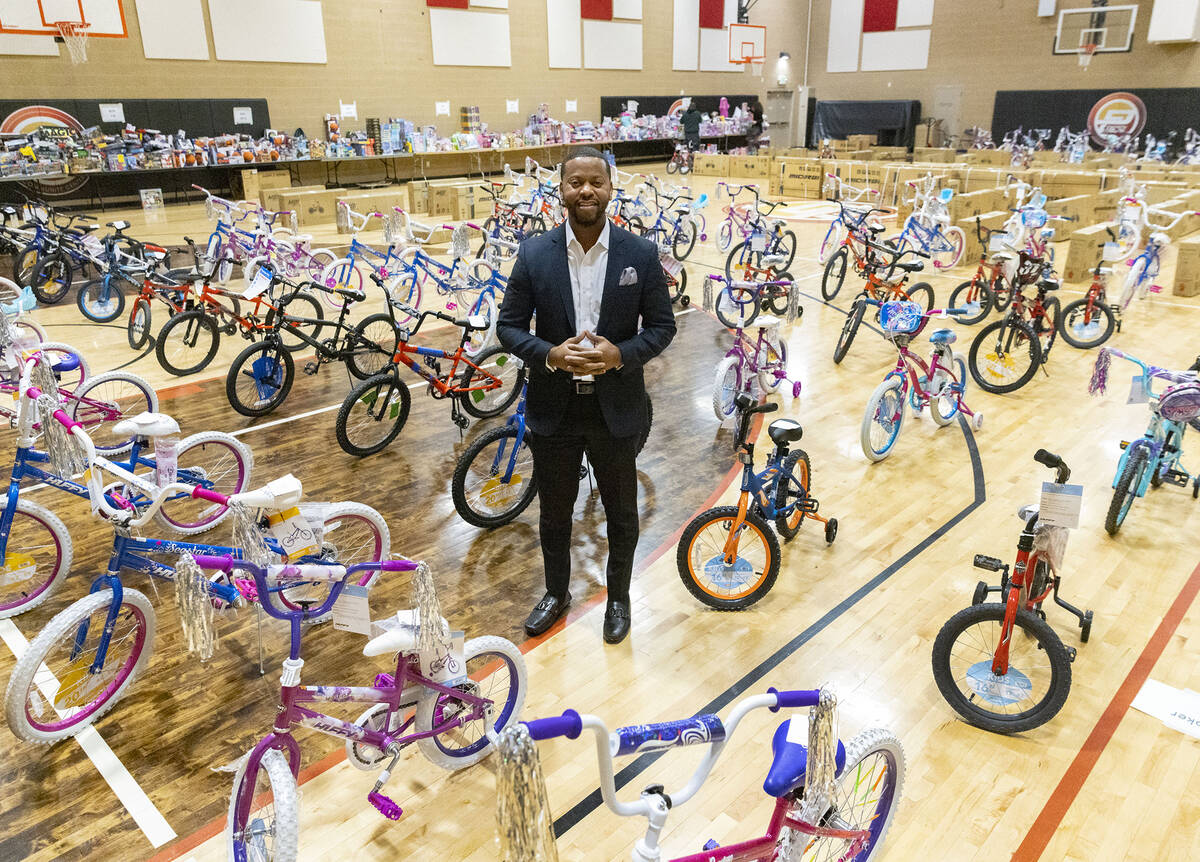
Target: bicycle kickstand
457	417
387	807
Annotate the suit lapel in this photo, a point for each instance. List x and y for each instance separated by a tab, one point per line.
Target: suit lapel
612	274
561	274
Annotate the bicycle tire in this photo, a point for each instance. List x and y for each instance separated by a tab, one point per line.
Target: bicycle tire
24	262
1009	337
142	399
834	238
66	625
1081	318
724	236
777	296
834	273
284	824
54	268
194	328
734	302
726	386
99	300
789	525
677	285
1041	641
879	406
1126	490
918	290
137	330
371	352
365	396
293	343
486	404
957	241
1051	312
1002	293
260	378
755	584
453	749
494	504
849	330
972	293
216	461
685	237
26	547
479	340
781	245
745	256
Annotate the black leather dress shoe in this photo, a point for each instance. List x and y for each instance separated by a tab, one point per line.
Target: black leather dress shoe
546	613
616	622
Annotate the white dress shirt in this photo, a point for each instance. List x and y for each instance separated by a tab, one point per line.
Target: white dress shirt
587	269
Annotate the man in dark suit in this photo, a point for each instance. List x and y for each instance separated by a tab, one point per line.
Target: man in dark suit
588	282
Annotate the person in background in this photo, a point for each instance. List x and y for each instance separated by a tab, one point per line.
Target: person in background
756	125
690	119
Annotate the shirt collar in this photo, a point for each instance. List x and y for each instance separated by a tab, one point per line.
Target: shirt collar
602	241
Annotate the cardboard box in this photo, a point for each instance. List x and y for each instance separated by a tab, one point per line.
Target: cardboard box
937	155
1083	252
1187	268
274	179
750	166
973	250
450	199
312	207
710	165
270	197
376	200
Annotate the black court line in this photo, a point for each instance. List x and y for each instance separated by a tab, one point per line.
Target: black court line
594	800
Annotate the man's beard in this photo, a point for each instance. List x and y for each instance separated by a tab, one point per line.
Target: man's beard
586	222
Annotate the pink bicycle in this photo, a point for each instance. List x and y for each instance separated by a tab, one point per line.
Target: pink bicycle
941	384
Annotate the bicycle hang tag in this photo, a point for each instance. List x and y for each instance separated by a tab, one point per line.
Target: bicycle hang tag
1000	242
352	611
1060	505
1137	391
670	264
758	241
293	532
446	664
260	283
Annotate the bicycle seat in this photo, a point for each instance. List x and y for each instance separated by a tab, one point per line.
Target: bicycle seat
785	431
349	292
399	634
118	225
472	322
766	321
911	266
1026	511
1047	284
147	425
942	336
789	757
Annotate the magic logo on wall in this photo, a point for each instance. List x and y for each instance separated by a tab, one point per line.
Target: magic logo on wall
1115	115
879	35
27	120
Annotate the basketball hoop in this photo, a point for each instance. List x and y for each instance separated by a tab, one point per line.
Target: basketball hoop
1085	56
756	66
75	35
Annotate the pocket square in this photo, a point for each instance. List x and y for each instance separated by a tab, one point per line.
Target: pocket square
629	276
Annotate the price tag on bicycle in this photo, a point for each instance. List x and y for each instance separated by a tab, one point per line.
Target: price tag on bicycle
1060	505
1137	391
352	611
758	241
1000	242
261	283
671	265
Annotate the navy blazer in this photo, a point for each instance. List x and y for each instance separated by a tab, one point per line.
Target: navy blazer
540	285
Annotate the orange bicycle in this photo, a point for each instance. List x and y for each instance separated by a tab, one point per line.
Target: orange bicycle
883	288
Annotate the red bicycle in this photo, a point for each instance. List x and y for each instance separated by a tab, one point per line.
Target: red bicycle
988	287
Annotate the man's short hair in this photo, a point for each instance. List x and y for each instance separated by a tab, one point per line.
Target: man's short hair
582	153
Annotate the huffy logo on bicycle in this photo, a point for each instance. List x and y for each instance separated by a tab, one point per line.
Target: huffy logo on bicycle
1115	115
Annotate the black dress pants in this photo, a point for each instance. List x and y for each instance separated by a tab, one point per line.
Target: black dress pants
557	459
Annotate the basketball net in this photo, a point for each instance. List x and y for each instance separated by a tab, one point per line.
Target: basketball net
1085	56
75	35
756	67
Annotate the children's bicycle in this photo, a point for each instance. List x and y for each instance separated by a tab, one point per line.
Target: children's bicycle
856	231
882	288
1155	458
681	160
1089	322
994	678
928	229
728	556
940	385
450	698
988	287
834	801
849	218
762	358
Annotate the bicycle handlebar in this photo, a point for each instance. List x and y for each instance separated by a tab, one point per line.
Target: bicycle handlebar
1054	462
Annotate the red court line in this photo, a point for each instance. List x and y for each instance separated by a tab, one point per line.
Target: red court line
1077	773
216	826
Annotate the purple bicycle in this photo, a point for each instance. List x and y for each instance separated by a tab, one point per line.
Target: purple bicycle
450	698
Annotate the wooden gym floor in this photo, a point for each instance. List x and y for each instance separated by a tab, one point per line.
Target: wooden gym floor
1100	782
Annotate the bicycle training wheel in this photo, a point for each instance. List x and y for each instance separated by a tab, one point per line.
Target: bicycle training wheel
68	647
270	833
495	670
1031	691
721	580
260	378
37	557
494	481
187	343
1004	356
373	414
484	403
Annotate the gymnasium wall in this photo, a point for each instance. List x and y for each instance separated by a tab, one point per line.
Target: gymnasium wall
989	45
379	54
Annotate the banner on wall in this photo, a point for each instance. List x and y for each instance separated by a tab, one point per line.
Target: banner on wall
1157	111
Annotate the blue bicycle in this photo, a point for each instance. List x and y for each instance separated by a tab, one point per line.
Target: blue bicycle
928	230
1155	457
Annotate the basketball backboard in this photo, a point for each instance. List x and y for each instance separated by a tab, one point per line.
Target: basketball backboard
747	43
105	18
1108	28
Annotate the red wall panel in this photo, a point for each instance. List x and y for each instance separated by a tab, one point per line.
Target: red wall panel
712	14
879	16
596	10
448	4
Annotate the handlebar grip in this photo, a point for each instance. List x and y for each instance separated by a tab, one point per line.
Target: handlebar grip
397	566
66	421
374	276
222	563
1047	459
569	724
797	698
212	496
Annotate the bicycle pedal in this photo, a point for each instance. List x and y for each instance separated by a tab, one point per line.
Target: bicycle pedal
384	680
809	505
385	806
311	368
1071	652
1177	477
461	421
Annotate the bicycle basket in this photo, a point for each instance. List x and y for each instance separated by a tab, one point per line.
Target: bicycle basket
902	317
1034	218
1180	403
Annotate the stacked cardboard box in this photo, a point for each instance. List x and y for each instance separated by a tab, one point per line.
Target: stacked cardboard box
710	165
1083	252
987	157
453	199
311	207
1187	268
758	167
937	155
800	177
380	200
994	220
270	197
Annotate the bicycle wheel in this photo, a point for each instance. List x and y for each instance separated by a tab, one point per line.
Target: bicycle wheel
302	310
37	557
684	239
1048	324
785	245
849	330
187	343
943	408
270	833
406	289
214	461
835	273
43	710
1004	356
724	236
137	331
345	273
736	307
1029	694
373	413
787	492
260	378
495	670
736	581
100	300
740	257
976	297
921	293
371	346
883	419
24	262
726	386
1086	323
62	355
868	790
677	287
27	331
950	252
51	277
486	403
494	481
480	339
1129	483
104	400
776	296
1002	293
834	237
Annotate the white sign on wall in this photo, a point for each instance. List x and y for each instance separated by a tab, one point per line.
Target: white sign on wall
572	106
243	117
112	112
513	106
441	109
348	110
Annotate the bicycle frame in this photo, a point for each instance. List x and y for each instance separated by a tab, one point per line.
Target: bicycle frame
1162	439
906	369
